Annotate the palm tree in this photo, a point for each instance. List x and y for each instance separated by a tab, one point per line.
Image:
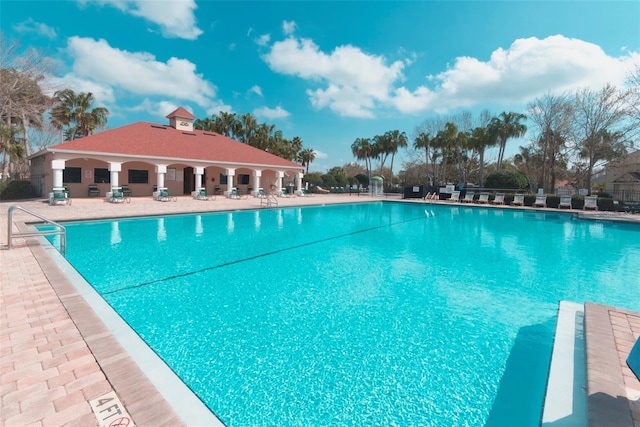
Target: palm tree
508	126
362	149
423	141
248	127
396	140
306	156
380	149
481	138
74	111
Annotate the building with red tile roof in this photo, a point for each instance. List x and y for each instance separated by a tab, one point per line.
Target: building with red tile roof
145	156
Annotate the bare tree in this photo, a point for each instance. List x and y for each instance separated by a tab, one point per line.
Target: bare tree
22	100
551	119
600	128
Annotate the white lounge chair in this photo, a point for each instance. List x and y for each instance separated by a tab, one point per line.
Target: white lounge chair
541	201
590	202
518	200
484	198
499	199
468	197
455	197
565	202
59	196
202	194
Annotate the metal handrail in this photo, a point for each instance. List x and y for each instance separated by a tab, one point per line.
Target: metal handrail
61	230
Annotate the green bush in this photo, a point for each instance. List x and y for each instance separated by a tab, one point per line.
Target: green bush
507	180
14	190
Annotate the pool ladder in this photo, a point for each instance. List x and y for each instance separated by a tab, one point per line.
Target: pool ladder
59	230
268	200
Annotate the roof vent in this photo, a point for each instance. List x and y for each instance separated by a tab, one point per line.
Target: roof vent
189	133
208	134
158	127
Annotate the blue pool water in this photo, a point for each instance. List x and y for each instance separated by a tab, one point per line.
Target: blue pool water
365	314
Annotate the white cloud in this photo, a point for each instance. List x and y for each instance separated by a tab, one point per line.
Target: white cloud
271	113
257	90
103	94
288	27
358	84
320	154
139	72
354	81
175	18
263	40
31	26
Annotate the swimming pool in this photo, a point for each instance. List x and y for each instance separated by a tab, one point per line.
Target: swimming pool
377	313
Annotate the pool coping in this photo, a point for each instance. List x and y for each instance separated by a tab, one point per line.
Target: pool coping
565	401
129	364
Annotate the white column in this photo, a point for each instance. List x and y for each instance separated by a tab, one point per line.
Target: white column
199	171
161	170
256	179
57	166
115	169
230	174
299	176
280	176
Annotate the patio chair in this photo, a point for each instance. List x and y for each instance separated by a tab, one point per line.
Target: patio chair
518	200
126	190
540	202
93	191
565	202
484	198
117	196
455	197
59	197
468	197
306	193
202	194
498	200
633	361
590	202
163	196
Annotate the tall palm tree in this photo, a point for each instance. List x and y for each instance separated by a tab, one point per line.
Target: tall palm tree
248	128
380	149
508	126
74	110
423	141
306	156
396	140
362	149
481	138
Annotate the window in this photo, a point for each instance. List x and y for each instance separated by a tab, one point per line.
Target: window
138	176
223	179
243	179
72	175
101	176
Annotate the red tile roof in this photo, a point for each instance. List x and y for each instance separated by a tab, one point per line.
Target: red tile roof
162	141
182	113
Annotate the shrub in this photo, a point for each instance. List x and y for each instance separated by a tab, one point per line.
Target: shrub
14	190
507	180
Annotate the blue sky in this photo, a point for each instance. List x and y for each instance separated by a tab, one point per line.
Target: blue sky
328	72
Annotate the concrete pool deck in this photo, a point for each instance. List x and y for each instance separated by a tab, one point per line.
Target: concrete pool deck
56	355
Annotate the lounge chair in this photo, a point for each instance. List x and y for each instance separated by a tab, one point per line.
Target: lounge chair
540	202
306	193
59	196
484	198
518	200
633	361
455	197
498	200
202	194
163	196
590	202
236	193
468	197
93	191
565	202
126	190
117	196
